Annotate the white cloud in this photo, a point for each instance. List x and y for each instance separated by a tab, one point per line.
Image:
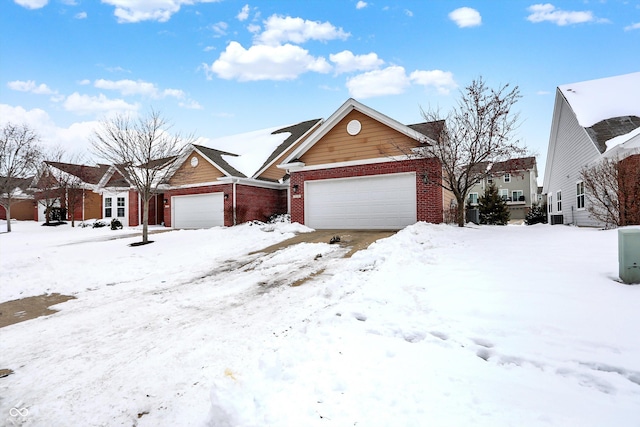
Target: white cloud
408	12
347	62
466	17
442	81
361	4
30	86
84	82
631	27
220	28
191	105
254	28
32	4
85	104
130	87
74	139
81	15
130	11
280	29
244	13
261	62
388	81
548	12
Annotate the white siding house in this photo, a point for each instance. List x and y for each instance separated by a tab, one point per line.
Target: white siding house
589	118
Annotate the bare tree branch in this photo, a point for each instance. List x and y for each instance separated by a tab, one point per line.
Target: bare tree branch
143	150
20	153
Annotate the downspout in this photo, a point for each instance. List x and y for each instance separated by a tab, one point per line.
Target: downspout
235	181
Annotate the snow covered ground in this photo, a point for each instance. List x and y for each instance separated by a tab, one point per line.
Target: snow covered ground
439	326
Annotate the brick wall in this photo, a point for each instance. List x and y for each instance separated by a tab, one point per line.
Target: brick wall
428	197
133	209
629	190
255	203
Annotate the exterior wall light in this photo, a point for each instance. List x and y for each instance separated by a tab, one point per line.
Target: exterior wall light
226	197
425	178
295	188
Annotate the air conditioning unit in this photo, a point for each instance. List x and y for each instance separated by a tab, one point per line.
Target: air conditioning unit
557	219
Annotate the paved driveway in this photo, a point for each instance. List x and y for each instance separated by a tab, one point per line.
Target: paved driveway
353	240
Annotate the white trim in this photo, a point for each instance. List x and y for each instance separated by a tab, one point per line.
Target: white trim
253	182
348	163
349	106
165	187
584	198
559	200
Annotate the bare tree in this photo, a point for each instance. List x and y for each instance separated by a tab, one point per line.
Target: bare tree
19	155
71	178
143	150
46	187
476	133
612	188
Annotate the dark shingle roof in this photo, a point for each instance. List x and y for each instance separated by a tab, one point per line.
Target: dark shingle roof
216	157
88	174
607	129
429	129
296	131
511	165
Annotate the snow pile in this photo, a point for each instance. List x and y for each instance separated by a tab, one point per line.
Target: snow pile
596	100
436	325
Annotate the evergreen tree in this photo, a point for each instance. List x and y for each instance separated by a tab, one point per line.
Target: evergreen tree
493	209
537	214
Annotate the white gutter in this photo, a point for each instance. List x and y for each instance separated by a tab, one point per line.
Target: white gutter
234	201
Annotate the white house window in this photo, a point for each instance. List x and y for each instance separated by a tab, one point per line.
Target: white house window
473	198
120	207
559	200
107	207
507	177
580	195
550	203
515	195
503	193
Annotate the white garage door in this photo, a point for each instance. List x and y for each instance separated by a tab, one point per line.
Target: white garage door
198	211
372	202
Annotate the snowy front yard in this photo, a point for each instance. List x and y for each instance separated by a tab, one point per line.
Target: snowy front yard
439	326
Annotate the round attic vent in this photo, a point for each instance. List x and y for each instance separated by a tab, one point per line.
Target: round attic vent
194	161
354	127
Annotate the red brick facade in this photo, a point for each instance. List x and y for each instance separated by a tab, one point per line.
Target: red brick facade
629	190
428	197
253	203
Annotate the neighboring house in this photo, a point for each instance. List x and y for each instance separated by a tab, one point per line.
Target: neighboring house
209	187
359	170
72	187
516	181
23	206
591	120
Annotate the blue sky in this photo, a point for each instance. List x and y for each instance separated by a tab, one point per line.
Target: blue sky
218	68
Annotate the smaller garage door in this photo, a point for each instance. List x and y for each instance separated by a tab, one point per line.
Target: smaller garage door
371	202
198	211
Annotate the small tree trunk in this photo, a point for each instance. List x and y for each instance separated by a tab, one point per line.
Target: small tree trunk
145	221
460	212
8	212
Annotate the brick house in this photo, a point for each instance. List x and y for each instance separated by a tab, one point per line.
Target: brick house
23	206
210	187
360	170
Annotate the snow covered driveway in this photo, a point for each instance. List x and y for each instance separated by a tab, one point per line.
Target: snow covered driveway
435	325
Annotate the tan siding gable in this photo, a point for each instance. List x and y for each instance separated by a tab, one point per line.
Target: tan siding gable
374	141
203	172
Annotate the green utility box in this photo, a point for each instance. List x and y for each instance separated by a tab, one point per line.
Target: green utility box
629	255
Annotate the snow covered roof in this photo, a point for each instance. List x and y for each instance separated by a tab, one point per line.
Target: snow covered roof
596	100
246	152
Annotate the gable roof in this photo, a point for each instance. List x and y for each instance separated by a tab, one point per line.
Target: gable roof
296	132
349	106
507	166
87	174
606	108
216	157
431	130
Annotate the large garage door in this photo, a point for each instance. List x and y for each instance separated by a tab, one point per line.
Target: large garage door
198	211
372	202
